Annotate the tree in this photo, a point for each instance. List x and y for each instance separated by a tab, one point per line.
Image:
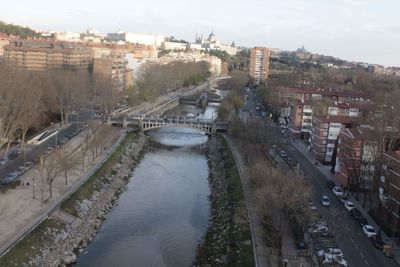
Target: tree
66	163
71	89
51	169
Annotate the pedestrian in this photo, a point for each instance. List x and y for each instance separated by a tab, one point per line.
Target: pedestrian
285	262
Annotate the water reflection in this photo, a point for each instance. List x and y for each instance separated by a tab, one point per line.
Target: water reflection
163	214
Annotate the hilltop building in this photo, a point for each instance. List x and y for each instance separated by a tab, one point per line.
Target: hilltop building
212	43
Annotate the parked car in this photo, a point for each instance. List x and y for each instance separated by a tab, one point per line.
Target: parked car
343	198
357	215
349	205
331	184
329	253
318	229
337	190
377	241
325	201
335	260
3	161
312	206
368	230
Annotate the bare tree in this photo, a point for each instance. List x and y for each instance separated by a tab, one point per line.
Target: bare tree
66	162
51	169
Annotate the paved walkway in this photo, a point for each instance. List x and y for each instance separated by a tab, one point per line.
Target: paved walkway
326	171
259	246
15	224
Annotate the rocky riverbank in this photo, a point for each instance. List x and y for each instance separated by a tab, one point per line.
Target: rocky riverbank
228	239
65	243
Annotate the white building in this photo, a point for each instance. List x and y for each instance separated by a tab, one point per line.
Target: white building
136	38
211	43
174	46
67	36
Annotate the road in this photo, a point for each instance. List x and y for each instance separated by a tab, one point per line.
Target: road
356	247
33	152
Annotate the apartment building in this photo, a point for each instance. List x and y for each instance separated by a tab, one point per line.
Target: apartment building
41	55
259	64
338	95
301	120
355	158
114	66
324	134
389	191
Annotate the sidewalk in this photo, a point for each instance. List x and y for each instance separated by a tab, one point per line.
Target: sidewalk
15	224
256	226
326	171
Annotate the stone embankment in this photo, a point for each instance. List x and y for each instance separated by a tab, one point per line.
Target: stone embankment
66	243
228	240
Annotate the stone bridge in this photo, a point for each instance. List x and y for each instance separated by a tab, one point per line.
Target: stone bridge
148	123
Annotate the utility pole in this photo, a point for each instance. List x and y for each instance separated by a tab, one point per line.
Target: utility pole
42	182
33	187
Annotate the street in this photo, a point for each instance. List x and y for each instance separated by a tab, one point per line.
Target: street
358	250
33	152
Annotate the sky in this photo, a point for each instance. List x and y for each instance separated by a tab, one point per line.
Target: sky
359	30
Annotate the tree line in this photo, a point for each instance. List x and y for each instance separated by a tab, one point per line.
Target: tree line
157	79
30	101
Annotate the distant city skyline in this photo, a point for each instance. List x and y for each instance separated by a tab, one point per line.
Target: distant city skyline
354	30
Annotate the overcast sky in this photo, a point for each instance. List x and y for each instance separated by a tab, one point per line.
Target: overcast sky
361	30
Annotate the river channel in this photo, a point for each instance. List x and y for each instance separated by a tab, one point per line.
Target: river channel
163	215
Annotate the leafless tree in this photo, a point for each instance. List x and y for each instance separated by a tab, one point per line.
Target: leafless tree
51	169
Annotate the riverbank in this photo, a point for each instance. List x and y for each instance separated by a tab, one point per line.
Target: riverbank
228	238
59	238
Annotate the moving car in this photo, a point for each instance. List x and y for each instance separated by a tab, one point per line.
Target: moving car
368	230
338	191
325	201
349	205
357	215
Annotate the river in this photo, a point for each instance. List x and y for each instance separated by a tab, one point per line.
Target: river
163	215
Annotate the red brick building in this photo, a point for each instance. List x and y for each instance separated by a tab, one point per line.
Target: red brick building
389	191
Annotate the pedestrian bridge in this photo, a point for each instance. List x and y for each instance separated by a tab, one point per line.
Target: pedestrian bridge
148	123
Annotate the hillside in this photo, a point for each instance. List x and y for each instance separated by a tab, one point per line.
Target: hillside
11	29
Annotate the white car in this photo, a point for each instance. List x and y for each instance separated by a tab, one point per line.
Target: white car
329	253
338	191
349	205
318	229
325	201
336	260
368	230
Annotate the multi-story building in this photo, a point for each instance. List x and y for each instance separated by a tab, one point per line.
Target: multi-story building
355	161
4	40
259	64
174	46
212	43
324	134
302	112
137	38
41	55
301	120
389	191
114	66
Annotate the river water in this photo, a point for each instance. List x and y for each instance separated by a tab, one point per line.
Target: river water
163	215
